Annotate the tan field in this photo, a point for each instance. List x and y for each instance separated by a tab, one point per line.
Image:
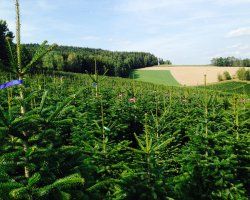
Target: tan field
194	75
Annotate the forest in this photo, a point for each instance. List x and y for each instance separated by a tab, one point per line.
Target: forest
76	59
77	136
79	60
230	62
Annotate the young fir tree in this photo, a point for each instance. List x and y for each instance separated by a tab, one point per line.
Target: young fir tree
209	163
137	173
33	151
241	145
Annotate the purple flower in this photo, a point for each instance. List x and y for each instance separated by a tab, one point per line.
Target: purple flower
11	83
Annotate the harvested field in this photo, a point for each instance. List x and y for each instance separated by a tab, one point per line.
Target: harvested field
194	75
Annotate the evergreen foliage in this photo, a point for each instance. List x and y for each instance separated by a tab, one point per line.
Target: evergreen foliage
30	136
77	59
4	32
232	87
72	136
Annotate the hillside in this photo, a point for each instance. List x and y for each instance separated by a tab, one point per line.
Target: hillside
164	76
108	137
80	60
155	76
232	86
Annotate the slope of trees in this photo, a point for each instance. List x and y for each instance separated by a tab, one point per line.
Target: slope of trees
121	139
77	59
230	62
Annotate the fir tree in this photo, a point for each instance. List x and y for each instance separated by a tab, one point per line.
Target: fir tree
30	161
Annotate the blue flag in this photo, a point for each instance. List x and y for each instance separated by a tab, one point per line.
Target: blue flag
11	83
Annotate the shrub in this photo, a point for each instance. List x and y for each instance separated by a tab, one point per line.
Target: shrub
248	74
243	74
226	75
220	77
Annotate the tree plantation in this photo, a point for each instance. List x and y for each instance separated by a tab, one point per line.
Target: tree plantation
121	139
67	135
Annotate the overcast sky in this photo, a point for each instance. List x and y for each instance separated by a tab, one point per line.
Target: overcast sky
184	31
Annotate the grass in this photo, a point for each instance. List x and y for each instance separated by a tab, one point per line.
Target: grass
163	77
239	87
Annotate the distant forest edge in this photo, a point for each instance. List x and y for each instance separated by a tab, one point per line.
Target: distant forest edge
78	59
230	62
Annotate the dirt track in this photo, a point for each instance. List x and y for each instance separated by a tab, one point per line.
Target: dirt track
194	75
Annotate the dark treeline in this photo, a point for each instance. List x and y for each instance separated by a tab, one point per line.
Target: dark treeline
230	62
77	59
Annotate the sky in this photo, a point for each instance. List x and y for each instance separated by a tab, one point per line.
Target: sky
183	31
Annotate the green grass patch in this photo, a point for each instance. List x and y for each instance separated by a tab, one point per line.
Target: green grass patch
237	87
163	77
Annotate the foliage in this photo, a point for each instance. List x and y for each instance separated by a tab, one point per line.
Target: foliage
4	32
165	62
72	136
80	60
95	138
29	135
230	62
233	87
243	74
226	75
220	77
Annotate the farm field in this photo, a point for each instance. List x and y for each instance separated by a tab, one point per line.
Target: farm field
194	75
155	76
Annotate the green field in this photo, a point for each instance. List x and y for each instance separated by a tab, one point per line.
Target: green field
163	77
237	87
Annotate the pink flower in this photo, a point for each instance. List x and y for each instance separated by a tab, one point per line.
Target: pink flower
242	100
132	100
